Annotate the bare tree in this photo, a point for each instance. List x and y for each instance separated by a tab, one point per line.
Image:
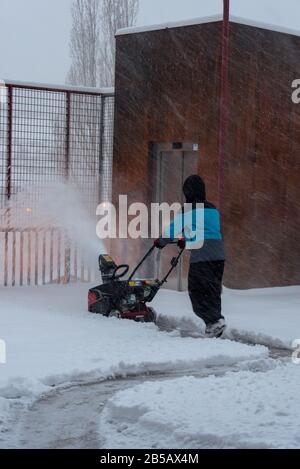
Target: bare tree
92	48
92	43
116	14
84	42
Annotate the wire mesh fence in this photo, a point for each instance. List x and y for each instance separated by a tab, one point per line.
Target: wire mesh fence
48	135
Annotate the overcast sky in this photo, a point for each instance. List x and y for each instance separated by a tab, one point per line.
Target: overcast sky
34	34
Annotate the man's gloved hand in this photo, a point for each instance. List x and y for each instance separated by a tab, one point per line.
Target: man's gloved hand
182	243
159	244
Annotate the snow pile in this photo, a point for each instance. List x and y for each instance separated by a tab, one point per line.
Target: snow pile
267	316
238	410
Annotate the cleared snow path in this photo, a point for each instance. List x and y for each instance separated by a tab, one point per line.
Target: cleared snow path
74	414
67	416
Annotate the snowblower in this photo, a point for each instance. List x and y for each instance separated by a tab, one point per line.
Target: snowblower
127	299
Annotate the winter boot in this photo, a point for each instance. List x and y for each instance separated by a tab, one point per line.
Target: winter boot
216	329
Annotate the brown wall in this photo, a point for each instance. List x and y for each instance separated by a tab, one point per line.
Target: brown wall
167	89
262	211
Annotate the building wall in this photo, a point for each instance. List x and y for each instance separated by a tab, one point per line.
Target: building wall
168	88
262	209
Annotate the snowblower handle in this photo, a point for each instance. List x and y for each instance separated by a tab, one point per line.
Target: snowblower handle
174	263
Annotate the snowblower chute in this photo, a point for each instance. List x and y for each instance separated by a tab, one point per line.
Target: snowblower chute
126	299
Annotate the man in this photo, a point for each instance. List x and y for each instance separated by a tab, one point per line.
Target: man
207	259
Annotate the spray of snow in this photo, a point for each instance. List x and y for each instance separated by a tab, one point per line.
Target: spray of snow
61	205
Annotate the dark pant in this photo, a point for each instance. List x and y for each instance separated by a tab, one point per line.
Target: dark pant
205	289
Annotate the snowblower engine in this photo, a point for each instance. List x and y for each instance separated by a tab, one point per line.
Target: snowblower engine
125	299
122	298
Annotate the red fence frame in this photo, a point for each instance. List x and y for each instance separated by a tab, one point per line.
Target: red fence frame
28	104
224	95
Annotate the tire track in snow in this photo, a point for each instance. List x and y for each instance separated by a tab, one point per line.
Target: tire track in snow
67	417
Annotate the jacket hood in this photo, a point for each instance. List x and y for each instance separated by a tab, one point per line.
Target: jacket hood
194	190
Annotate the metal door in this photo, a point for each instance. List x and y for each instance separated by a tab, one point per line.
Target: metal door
174	163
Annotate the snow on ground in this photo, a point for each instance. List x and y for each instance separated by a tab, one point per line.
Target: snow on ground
238	410
267	316
51	339
4	410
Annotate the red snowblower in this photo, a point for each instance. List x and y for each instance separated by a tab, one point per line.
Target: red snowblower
127	299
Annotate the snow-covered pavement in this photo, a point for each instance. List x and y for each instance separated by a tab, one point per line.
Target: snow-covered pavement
249	409
238	410
52	340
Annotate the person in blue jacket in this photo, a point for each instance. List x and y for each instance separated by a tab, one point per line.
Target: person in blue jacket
200	226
